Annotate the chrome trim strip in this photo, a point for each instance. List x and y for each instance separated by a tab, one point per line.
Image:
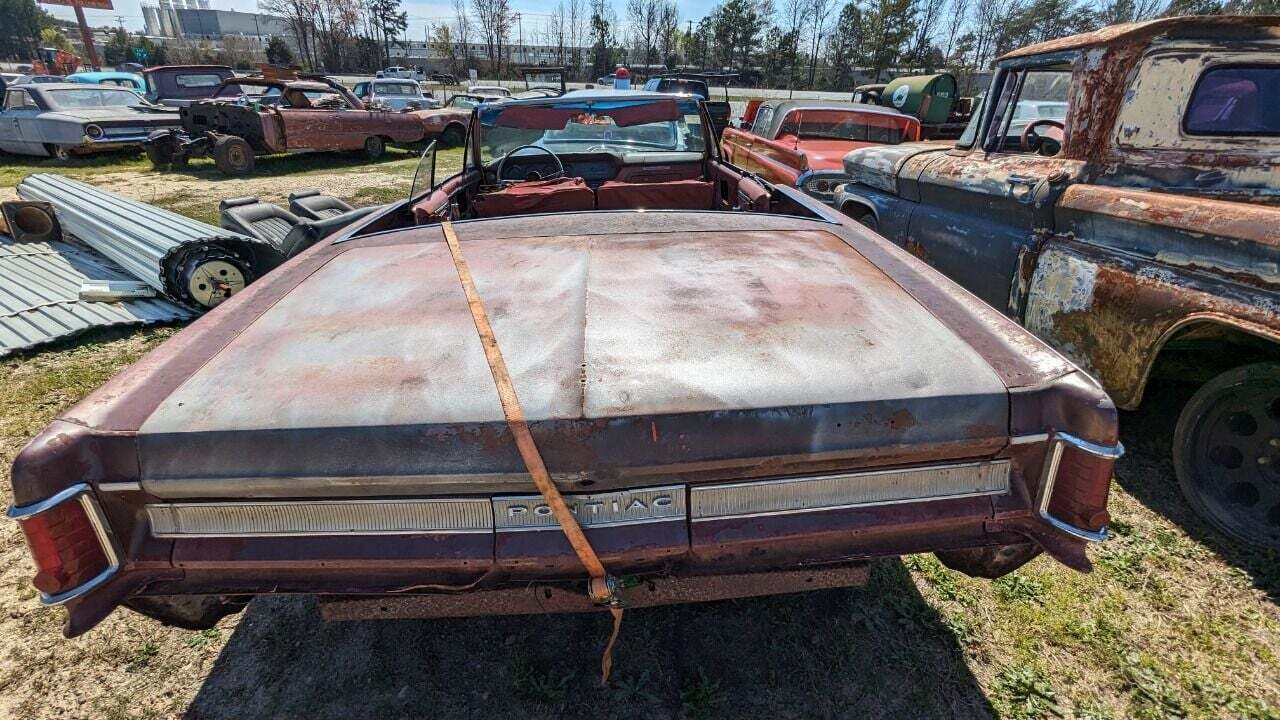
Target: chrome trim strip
120	487
1050	476
1029	439
100	528
321	517
849	490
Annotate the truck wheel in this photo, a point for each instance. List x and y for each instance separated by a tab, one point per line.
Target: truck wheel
863	216
232	155
453	136
1226	452
989	562
374	147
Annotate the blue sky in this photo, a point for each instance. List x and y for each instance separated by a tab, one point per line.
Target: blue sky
420	13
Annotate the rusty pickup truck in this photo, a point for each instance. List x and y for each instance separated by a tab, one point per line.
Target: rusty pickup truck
735	389
1119	194
801	142
270	113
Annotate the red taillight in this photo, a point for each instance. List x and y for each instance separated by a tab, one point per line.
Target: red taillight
1080	493
66	545
1073	491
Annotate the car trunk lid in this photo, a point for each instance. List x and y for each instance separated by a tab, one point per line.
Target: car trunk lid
640	359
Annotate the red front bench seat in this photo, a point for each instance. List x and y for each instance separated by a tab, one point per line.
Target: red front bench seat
671	195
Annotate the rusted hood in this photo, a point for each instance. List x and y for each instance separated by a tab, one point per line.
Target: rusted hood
643	353
877	166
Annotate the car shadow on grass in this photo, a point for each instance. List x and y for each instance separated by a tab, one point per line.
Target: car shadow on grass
879	651
1146	472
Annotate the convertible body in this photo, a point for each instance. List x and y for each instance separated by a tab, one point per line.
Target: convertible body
753	396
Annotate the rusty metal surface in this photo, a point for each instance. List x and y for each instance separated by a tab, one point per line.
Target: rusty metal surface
1113	313
559	599
1141	31
749	330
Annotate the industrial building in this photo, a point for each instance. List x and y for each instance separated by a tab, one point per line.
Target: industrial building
195	19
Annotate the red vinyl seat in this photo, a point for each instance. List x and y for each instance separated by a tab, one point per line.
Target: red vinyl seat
536	196
672	195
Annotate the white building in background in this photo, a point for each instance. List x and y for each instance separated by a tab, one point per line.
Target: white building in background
196	19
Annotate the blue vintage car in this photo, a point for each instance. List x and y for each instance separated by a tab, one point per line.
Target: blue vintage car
132	81
65	119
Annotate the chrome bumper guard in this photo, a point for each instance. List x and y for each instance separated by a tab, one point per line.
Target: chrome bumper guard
1058	442
82	493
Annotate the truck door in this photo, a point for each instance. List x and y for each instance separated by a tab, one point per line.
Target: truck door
981	206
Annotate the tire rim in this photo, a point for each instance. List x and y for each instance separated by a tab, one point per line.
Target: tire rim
235	154
1235	459
214	281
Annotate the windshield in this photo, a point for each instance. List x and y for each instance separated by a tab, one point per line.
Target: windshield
849	125
395	89
463	101
644	126
232	90
93	98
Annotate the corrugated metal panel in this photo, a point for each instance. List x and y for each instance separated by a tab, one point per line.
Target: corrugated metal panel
40	289
161	248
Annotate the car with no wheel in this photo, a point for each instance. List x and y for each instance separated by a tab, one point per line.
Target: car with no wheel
64	120
266	114
737	390
1118	195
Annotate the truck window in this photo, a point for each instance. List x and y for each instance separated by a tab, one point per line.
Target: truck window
1235	100
1026	96
761	124
197	80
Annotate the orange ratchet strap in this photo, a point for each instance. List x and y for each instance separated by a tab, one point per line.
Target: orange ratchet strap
602	587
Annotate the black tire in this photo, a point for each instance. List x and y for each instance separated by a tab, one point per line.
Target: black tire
232	155
1226	452
374	147
160	153
863	216
453	136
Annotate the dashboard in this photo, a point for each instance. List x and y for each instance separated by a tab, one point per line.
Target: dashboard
596	168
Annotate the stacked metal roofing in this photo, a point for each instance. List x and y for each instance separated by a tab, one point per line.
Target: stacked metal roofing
161	248
40	295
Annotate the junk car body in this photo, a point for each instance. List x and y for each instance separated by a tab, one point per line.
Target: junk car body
1118	195
260	114
65	119
802	143
738	390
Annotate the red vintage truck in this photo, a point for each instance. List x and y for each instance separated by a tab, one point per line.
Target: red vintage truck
802	143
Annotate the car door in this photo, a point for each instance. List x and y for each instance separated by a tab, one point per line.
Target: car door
982	206
18	133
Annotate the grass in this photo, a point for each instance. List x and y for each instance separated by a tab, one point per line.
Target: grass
1174	622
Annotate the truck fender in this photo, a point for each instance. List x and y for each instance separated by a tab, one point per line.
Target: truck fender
1113	313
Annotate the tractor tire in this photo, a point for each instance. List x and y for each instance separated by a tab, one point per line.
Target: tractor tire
161	153
232	155
1226	453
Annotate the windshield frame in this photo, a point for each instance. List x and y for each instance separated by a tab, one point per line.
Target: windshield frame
686	106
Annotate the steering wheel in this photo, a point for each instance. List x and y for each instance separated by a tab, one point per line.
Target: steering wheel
1031	140
502	164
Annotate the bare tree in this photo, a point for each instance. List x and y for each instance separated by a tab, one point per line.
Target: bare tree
577	20
957	12
495	18
818	10
668	31
462	28
795	17
928	13
298	14
647	23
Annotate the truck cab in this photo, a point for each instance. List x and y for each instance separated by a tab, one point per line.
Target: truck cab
1118	194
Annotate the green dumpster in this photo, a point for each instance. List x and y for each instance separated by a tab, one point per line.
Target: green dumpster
928	97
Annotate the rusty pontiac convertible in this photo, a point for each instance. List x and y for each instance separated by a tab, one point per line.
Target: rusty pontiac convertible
733	390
